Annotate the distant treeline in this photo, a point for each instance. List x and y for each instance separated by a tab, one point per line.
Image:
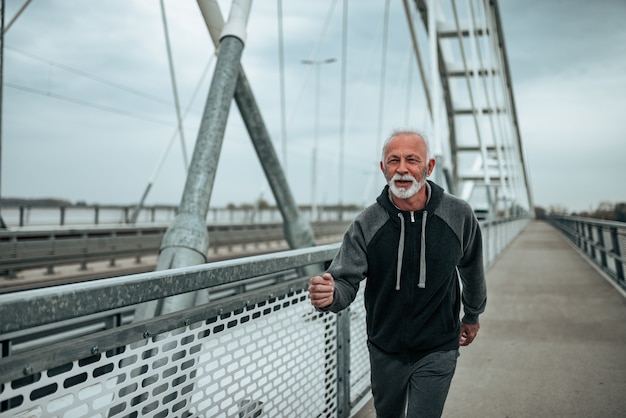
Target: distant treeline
606	210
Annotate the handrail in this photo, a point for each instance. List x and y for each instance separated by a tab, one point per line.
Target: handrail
602	242
19	216
47	248
20	310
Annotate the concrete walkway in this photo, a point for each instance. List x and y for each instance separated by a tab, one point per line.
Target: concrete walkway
552	341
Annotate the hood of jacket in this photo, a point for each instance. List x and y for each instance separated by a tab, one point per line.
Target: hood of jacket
434	194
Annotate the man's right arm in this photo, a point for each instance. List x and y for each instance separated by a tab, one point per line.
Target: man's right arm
349	266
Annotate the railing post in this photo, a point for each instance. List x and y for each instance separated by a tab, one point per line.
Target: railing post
83	263
619	269
62	220
343	364
96	210
602	247
50	267
21	215
580	236
592	242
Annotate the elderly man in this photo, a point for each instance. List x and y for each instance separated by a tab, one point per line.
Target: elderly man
413	245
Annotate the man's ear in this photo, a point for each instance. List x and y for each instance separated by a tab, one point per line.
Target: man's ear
382	167
431	165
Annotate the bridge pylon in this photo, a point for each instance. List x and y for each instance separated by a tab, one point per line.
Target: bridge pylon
477	139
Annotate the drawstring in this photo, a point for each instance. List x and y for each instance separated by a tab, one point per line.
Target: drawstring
422	276
400	251
422	281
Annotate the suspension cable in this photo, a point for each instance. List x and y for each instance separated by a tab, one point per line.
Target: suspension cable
418	55
175	90
342	106
383	65
19	12
281	70
166	151
313	57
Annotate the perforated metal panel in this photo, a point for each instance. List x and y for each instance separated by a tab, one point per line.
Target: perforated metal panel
273	359
359	356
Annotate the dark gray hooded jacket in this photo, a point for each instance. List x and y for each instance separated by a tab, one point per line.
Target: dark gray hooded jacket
413	262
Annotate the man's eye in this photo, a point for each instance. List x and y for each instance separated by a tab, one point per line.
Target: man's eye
393	161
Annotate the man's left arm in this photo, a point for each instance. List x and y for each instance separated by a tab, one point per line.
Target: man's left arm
472	274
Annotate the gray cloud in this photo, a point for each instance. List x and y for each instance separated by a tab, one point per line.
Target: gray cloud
567	61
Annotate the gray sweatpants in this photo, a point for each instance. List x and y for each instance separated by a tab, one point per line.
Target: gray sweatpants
423	385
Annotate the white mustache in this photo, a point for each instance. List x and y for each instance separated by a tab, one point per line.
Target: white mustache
404	177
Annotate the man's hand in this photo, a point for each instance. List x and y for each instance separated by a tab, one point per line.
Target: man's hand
468	333
322	290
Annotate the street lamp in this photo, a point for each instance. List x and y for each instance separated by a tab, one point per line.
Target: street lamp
317	64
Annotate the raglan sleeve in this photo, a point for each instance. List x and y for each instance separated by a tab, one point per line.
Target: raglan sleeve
348	268
471	271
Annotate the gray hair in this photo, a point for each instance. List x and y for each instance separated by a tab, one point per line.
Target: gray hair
397	132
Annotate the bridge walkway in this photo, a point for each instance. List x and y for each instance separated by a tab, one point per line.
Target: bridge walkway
551	342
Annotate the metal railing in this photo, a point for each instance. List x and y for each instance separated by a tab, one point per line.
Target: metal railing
47	248
67	216
258	347
40	216
603	242
498	234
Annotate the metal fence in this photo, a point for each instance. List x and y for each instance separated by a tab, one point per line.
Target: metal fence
47	248
603	242
257	348
39	216
23	216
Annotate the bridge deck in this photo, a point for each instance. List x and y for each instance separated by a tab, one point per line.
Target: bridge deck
551	342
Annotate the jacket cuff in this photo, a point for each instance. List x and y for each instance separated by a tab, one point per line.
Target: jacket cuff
470	319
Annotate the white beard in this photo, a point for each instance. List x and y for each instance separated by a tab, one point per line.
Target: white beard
402	192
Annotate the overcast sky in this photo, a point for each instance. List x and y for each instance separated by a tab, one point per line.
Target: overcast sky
88	108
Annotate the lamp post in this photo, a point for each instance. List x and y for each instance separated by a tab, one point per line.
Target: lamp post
317	64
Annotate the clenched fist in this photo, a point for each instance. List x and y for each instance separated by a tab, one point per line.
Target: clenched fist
468	333
322	290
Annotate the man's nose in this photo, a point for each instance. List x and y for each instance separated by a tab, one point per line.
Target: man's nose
402	167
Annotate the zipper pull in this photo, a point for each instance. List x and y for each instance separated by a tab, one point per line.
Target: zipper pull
412	217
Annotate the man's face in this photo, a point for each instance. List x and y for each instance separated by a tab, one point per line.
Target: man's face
405	165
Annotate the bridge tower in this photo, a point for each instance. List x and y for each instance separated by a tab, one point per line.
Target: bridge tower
477	139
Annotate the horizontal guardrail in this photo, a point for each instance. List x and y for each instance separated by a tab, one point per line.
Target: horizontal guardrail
27	249
257	347
84	215
48	305
603	242
92	360
498	234
21	250
68	215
